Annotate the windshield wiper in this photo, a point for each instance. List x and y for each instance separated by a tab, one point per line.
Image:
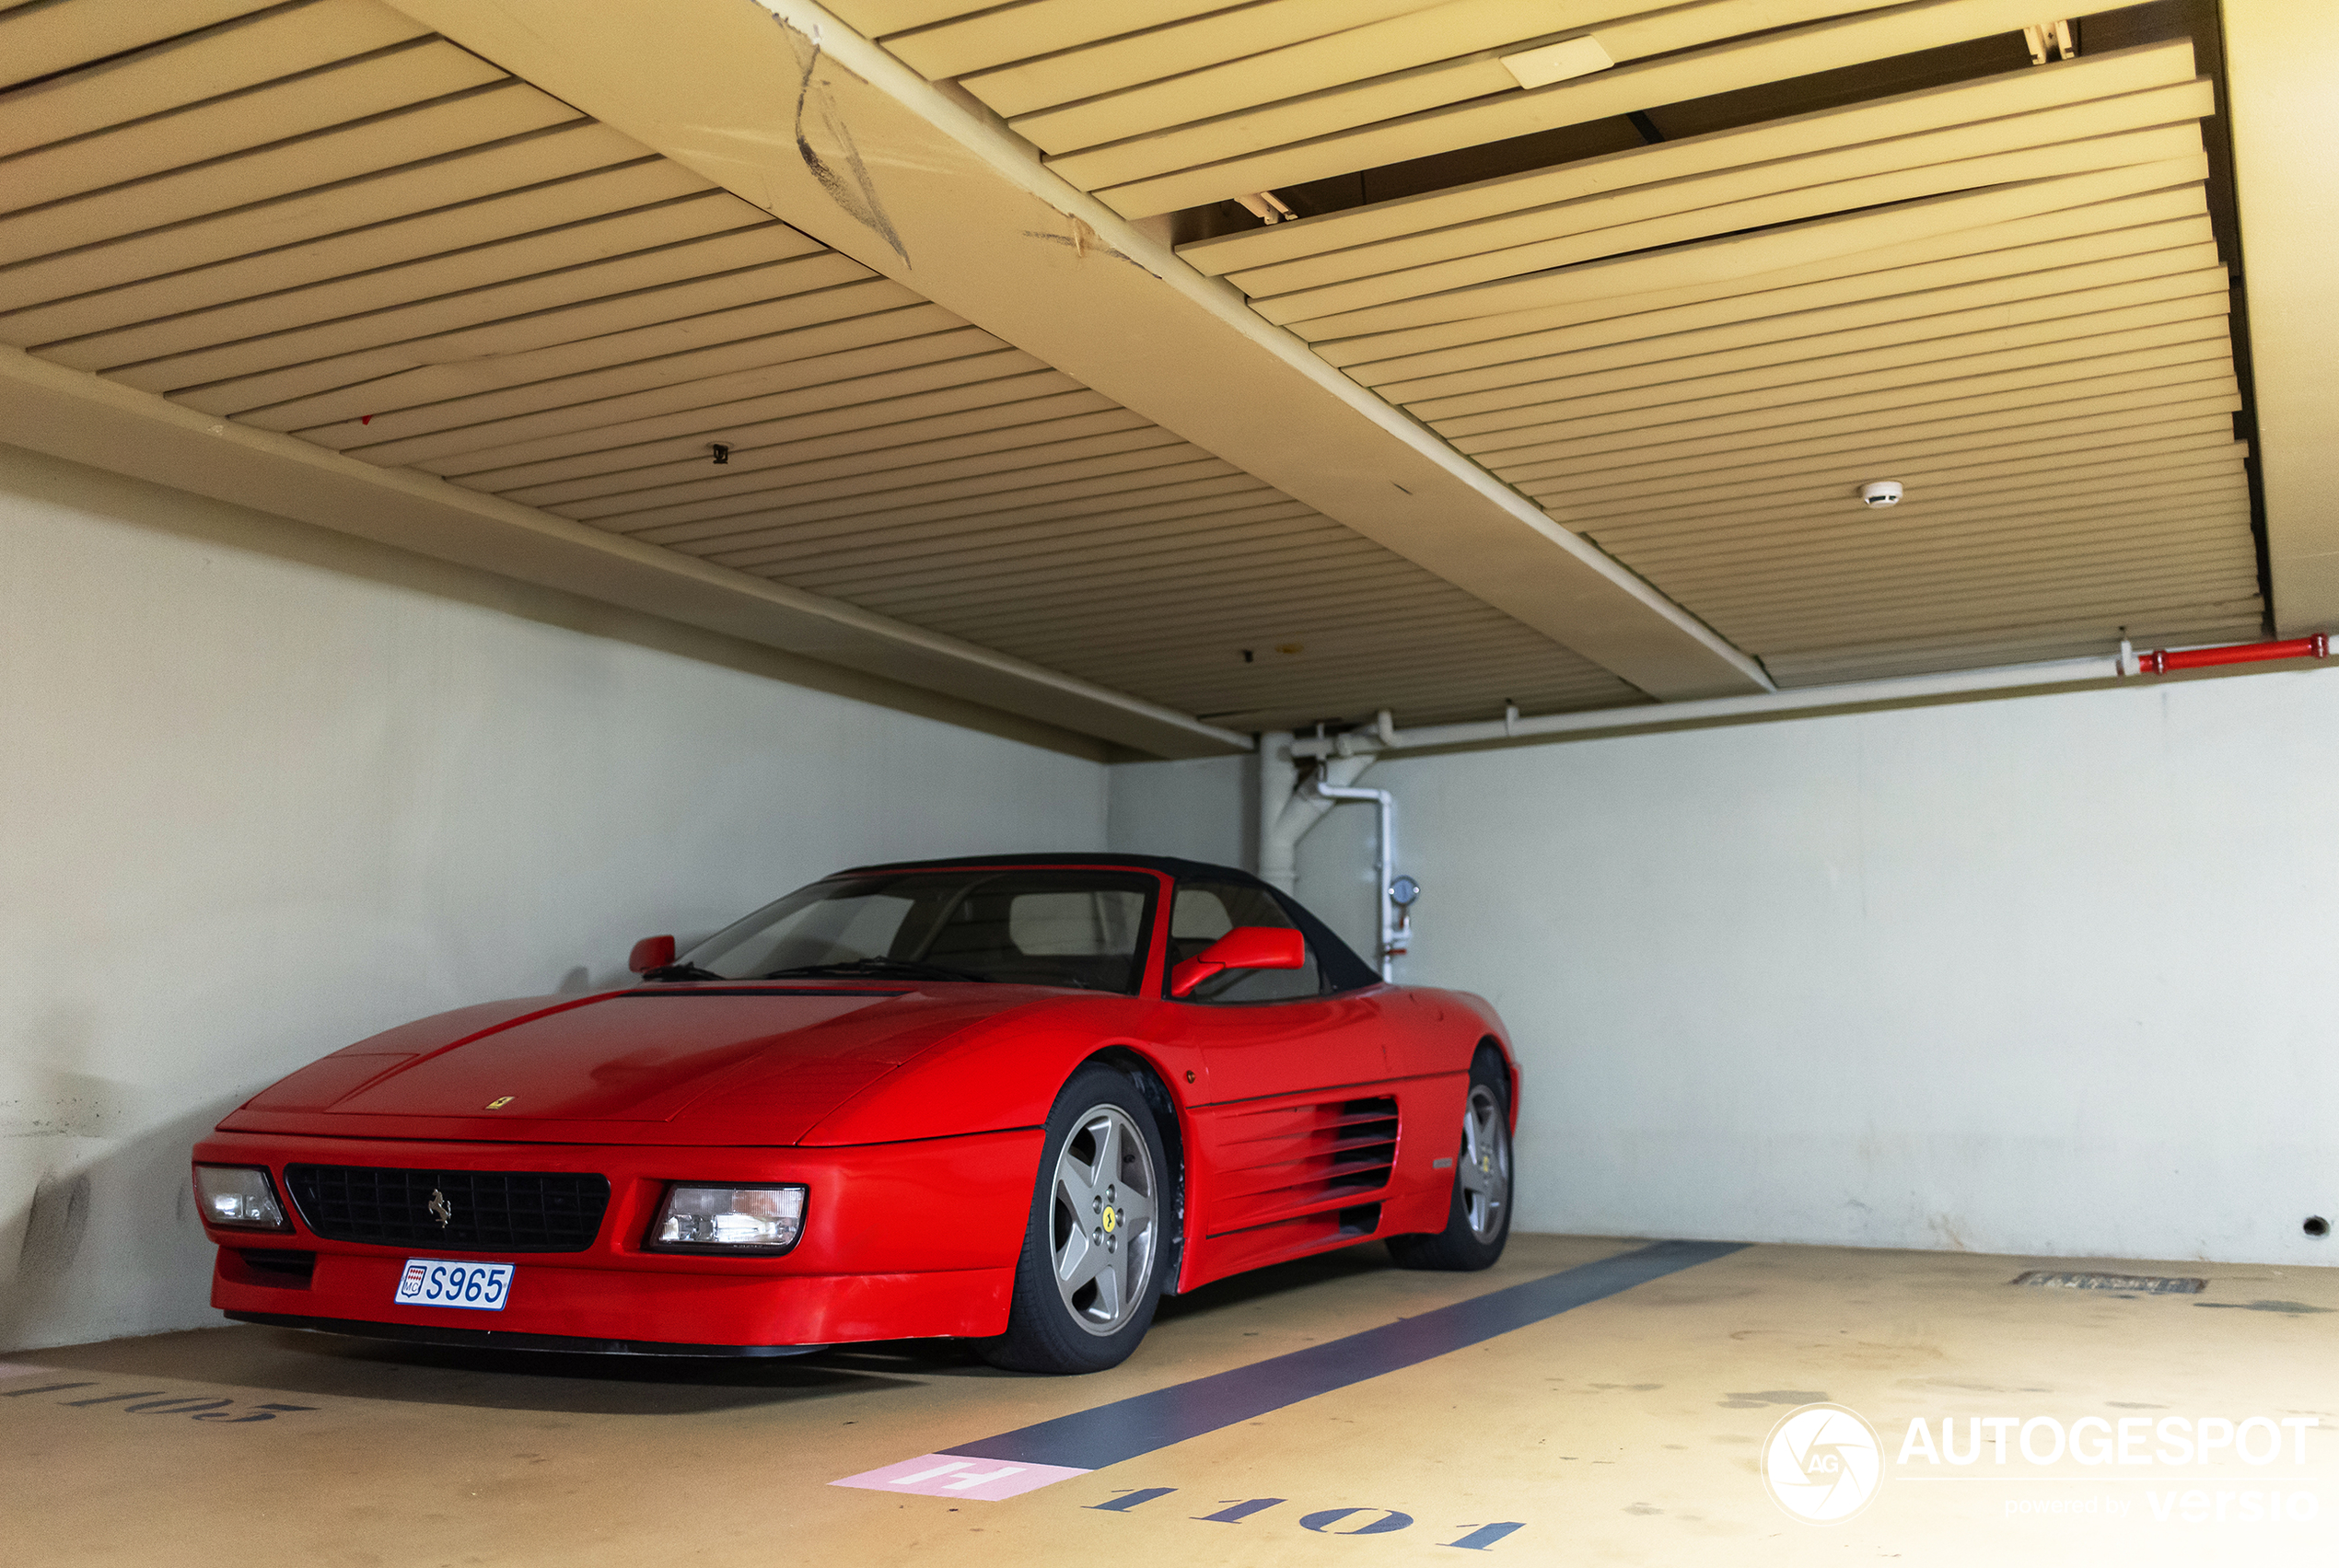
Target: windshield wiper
682	972
877	964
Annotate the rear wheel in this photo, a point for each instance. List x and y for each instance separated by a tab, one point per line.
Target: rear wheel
1478	1223
1090	1273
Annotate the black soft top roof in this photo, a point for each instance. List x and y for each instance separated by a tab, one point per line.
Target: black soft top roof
1170	864
1342	966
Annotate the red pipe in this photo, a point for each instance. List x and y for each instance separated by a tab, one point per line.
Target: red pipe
2160	661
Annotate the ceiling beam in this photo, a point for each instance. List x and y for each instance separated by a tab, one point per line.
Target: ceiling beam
788	108
2282	58
81	417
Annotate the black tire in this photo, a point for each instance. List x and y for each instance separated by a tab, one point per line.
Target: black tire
1472	1238
1057	1330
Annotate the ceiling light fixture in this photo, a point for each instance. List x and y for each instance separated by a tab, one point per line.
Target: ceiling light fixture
2051	41
1558	61
1266	206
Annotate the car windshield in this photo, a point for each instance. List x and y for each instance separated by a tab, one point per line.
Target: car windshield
1085	929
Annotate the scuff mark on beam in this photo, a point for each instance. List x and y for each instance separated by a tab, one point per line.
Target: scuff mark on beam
857	196
1083	240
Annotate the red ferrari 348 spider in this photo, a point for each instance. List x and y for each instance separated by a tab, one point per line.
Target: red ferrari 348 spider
1013	1099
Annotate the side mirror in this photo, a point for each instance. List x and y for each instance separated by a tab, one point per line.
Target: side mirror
1244	947
651	953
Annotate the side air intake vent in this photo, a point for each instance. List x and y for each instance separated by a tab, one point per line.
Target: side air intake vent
1303	1159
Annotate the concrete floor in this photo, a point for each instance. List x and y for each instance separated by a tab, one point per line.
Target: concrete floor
1626	1431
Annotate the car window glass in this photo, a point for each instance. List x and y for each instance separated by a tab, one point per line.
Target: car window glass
1080	924
834	930
1083	929
1203	911
1197	914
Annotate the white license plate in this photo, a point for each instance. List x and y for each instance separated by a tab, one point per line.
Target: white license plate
435	1282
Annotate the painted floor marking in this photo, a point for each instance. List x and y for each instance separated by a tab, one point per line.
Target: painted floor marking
944	1475
1127	1429
18	1369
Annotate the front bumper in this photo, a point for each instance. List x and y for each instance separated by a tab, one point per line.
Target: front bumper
491	1339
901	1242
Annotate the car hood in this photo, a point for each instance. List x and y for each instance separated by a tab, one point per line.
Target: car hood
663	1064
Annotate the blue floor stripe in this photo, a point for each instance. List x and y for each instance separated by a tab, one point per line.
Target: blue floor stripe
1127	1428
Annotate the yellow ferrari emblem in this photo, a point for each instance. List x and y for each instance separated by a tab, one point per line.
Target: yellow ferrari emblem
1112	1218
500	1104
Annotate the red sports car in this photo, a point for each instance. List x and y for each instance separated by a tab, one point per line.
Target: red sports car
1013	1099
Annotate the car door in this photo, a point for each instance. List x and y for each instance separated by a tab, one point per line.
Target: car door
1266	1031
1295	1127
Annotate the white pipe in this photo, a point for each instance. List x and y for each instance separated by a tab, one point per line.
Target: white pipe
1386	738
1278	776
1386	863
1284	824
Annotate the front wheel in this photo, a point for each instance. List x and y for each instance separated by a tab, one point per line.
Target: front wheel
1090	1273
1478	1223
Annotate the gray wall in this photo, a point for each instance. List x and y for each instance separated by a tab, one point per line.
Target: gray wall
2052	974
269	790
1200	809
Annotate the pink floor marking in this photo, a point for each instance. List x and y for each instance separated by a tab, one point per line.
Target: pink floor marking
947	1475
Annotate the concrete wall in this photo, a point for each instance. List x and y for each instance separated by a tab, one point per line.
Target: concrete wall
1200	809
268	790
2055	974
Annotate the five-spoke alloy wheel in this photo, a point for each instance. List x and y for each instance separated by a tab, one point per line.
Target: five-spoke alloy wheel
1478	1222
1102	1231
1093	1254
1483	1171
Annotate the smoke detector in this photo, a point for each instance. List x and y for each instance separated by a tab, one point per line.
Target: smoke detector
1880	493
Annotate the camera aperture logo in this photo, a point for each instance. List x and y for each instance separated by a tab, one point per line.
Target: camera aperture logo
1823	1463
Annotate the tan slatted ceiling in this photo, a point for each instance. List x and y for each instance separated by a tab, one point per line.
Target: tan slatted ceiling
1284	91
2004	292
319	219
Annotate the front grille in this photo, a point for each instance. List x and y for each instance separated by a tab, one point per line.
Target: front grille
488	1211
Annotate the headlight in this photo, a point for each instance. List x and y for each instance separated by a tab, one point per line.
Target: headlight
239	1196
760	1219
